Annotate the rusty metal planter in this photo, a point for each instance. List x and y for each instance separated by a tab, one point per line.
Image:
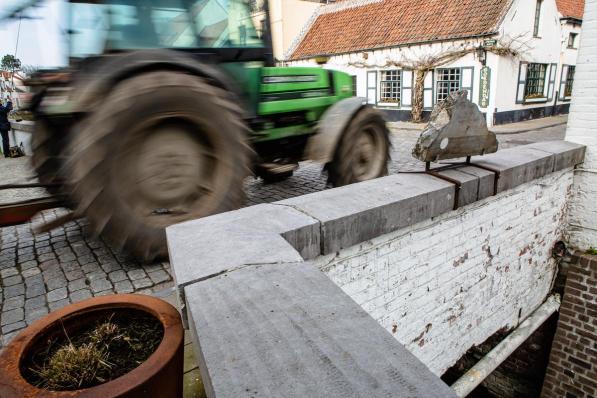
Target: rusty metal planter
159	376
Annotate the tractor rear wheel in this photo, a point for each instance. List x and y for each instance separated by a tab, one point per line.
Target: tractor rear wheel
164	147
363	151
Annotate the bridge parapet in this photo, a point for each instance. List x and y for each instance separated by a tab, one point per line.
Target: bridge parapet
268	322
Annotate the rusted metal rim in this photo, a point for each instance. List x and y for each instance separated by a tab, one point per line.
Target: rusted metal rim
20	212
12	383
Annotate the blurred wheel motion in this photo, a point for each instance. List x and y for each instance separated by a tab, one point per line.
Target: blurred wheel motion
164	147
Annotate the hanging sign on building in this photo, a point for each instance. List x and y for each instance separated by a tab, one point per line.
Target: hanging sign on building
490	43
485	81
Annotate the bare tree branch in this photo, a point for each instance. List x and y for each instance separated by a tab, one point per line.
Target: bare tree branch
506	46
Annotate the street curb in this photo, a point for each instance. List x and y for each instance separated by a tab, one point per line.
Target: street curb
496	132
531	129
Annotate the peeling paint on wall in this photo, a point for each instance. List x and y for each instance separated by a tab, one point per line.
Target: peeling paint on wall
444	285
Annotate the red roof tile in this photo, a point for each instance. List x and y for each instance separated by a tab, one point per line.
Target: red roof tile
571	8
388	23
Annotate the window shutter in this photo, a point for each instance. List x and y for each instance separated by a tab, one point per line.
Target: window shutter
551	81
372	87
563	80
522	77
467	78
428	91
407	88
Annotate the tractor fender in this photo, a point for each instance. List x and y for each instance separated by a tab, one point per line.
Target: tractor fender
322	146
99	75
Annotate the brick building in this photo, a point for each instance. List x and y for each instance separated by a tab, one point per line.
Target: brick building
572	371
373	39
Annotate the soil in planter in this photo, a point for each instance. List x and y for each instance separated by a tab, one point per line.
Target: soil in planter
113	345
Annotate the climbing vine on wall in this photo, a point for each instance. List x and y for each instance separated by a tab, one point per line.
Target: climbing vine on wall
510	47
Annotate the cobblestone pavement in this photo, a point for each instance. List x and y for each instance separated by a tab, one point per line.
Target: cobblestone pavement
18	171
43	272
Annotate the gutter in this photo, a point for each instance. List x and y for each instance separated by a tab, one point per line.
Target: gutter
475	376
572	20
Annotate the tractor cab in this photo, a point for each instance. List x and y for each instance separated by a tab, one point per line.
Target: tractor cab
220	27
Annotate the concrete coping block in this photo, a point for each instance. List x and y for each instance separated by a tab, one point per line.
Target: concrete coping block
475	183
517	165
567	154
288	331
209	246
356	213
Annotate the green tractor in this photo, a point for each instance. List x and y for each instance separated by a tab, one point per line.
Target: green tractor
166	107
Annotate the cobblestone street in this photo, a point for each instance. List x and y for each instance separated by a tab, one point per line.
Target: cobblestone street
43	272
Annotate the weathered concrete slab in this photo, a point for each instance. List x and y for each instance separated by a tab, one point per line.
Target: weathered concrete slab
469	185
288	331
486	180
476	183
212	245
359	212
517	165
567	154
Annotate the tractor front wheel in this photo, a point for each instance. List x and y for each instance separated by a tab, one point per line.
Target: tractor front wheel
363	151
163	147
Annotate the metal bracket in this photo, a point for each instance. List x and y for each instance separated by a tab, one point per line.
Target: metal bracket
496	173
468	162
457	184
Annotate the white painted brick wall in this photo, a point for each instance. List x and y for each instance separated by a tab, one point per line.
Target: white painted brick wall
582	128
446	284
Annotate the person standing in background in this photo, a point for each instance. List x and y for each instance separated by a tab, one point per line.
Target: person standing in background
5	127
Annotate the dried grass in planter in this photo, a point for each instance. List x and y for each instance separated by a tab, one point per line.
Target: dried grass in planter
109	349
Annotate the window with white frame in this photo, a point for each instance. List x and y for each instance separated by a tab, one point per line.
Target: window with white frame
389	86
535	81
448	81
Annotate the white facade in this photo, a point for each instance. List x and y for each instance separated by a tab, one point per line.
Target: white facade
510	79
582	128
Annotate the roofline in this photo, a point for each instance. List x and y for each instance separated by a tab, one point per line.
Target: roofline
414	43
502	17
319	11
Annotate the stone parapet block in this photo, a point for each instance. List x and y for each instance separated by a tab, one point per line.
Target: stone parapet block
212	245
288	331
475	183
566	154
517	166
523	164
356	213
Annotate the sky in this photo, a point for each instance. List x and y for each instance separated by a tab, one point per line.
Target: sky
41	42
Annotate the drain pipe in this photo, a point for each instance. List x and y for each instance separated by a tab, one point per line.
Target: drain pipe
471	379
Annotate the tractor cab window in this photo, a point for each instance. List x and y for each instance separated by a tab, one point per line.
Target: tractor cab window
112	25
